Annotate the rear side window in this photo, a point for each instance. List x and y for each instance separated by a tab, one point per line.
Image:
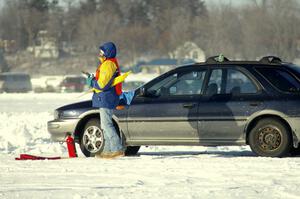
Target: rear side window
281	79
239	83
230	81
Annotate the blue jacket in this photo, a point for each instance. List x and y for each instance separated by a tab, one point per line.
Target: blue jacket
105	95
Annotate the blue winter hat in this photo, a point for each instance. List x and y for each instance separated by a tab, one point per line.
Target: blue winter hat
109	49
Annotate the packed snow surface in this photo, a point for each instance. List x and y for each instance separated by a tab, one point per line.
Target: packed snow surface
157	172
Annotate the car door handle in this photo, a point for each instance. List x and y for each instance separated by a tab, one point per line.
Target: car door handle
188	105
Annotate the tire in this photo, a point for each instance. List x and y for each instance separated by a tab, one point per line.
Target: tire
92	138
132	150
271	138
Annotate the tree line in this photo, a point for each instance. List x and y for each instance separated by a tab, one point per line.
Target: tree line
144	28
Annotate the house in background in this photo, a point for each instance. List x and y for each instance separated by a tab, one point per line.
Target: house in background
9	46
185	54
189	50
46	46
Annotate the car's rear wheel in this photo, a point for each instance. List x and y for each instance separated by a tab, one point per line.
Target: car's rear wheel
295	151
270	137
92	138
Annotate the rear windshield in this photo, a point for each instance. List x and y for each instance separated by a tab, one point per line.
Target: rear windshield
281	78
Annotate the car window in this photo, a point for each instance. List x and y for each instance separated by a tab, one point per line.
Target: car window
239	83
281	79
229	81
214	84
182	83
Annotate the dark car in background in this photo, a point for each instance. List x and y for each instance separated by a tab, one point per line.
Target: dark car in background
73	83
12	82
217	102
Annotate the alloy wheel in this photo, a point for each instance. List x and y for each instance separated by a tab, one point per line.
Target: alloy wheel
93	139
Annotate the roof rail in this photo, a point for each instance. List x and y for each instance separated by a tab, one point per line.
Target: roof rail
217	59
270	60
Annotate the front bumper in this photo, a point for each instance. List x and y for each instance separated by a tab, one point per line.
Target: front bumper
59	129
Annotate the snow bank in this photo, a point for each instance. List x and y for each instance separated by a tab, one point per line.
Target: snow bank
26	132
23	126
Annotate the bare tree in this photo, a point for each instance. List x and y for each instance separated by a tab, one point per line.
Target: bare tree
95	29
54	25
12	23
3	64
156	28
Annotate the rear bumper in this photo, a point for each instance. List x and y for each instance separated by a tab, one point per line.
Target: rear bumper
59	129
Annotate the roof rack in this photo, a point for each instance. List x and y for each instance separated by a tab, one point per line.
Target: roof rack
217	59
270	60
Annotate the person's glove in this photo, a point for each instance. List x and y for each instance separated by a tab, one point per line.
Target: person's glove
89	80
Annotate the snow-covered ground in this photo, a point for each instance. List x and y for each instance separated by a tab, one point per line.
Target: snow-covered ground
157	172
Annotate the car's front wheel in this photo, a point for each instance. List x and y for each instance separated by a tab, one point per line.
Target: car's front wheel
270	137
92	138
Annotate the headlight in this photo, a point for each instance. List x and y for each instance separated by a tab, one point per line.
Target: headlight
66	114
70	114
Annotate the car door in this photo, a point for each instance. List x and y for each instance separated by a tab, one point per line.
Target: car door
232	94
167	113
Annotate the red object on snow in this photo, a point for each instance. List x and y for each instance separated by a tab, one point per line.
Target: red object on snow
34	157
71	147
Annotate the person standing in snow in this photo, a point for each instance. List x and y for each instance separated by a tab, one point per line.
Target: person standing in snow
106	98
